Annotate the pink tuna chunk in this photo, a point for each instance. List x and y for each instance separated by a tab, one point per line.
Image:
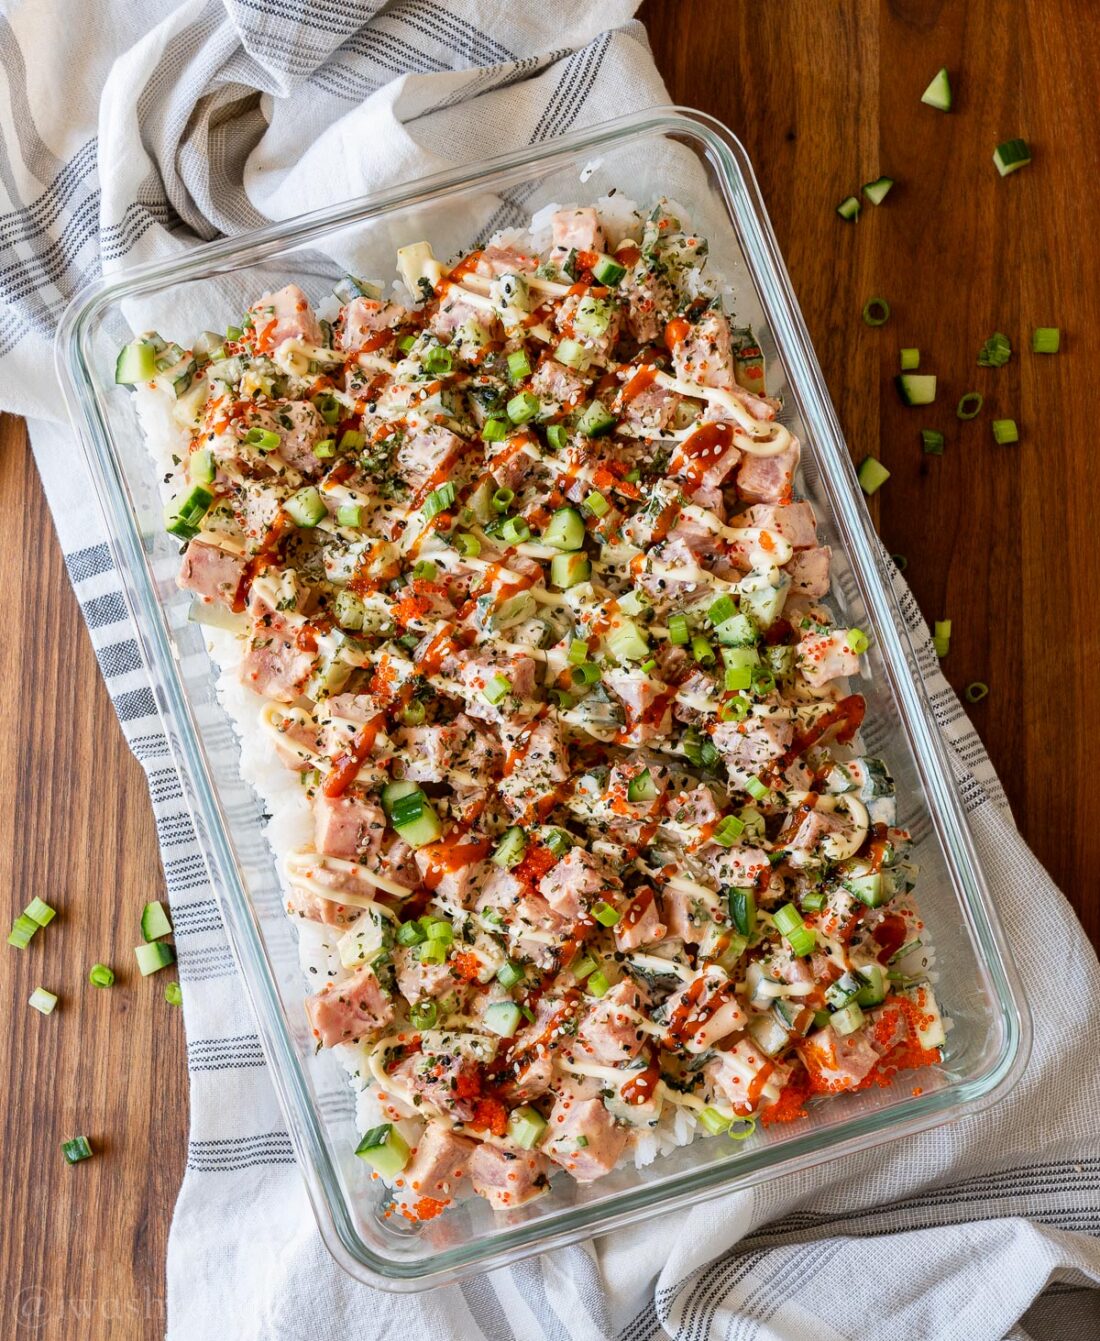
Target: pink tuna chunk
578	228
347	1011
704	355
416	980
284	315
836	1062
806	845
609	1032
438	1164
638	693
455	880
695	808
452	313
426	453
640	923
508	1178
301	427
274	665
313	907
476	673
650	301
749	746
572	1117
570	885
651	409
496	260
426	752
795	522
704	470
555	382
448	1080
364	318
698	1018
211	572
768	479
826	656
348	826
809	571
536	765
685	914
734	1072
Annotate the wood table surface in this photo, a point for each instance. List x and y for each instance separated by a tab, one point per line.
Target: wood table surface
1001	540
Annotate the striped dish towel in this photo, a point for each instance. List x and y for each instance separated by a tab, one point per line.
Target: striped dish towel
194	119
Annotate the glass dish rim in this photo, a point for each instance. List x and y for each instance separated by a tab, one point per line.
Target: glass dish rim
79	387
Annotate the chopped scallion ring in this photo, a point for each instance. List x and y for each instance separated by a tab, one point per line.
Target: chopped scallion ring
43	1001
425	571
503	499
496	689
173	994
858	641
943	628
702	651
876	311
756	789
263	439
1005	431
515	531
996	351
605	915
469	546
439	500
578	652
76	1149
23	929
351	514
586	673
101	976
1045	340
741	1128
976	691
970	405
678	630
931	441
494	430
877	191
910	360
39	911
597	504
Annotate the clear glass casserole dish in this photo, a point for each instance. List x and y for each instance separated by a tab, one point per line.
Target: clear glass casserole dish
690	157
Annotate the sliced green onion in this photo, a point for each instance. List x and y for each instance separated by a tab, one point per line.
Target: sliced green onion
494	430
23	929
598	983
970	405
742	1127
848	209
802	942
413	714
1011	156
503	499
496	689
262	438
351	440
876	311
578	652
1045	340
425	571
586	673
712	1121
439	930
976	691
519	366
678	630
787	919
729	830
173	994
910	360
559	842
43	1001
995	352
943	628
439	500
101	976
76	1149
872	475
424	1014
648	667
469	546
1005	431
722	609
605	915
329	408
756	789
39	911
556	436
325	449
410	933
932	441
582	967
438	361
431	951
406	343
351	514
737	678
515	531
858	641
813	900
702	651
509	973
734	709
597	504
942	646
522	407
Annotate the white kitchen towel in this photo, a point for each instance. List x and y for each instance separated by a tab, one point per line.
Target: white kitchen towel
137	130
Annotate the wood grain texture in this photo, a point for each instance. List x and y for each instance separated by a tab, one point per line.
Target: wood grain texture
82	1247
824	96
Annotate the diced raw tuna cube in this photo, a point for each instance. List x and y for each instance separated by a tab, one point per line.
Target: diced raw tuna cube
301	427
347	1011
768	479
650	409
456	877
284	315
298	743
572	1117
650	301
508	1178
685	914
702	1013
696	699
313	907
609	1032
571	885
274	665
555	382
638	694
640	923
739	865
416	980
834	1062
579	228
749	746
477	753
805	847
888	1027
475	674
211	572
809	571
365	318
600	344
453	313
536	765
438	1164
823	657
694	809
795	522
426	752
449	1080
653	522
496	260
741	1074
705	354
348	826
426	454
704	469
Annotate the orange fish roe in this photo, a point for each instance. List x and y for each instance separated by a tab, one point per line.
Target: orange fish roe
790	1104
490	1115
466	966
426	1208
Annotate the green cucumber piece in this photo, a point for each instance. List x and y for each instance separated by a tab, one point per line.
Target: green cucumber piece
565	530
154	956
642	787
526	1127
872	475
426	828
916	388
502	1017
384	1149
137	362
567	570
154	921
306	508
183	515
596	420
938	92
849	208
877	191
509	851
1011	156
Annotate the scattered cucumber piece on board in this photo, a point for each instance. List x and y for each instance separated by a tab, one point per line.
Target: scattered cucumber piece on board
938	92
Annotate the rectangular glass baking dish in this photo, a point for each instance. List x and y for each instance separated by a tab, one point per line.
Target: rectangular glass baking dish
693	159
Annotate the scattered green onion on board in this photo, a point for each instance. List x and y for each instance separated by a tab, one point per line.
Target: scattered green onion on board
970	405
1011	156
43	1001
876	311
976	691
101	976
932	441
76	1149
1005	431
996	351
39	911
173	994
872	476
938	92
23	929
910	360
1045	340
